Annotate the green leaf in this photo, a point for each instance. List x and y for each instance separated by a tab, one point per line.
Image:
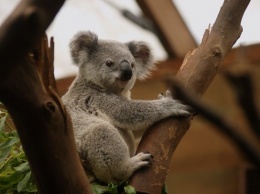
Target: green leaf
30	187
2	123
23	183
15	174
4	153
9	177
23	167
129	189
9	142
164	191
100	189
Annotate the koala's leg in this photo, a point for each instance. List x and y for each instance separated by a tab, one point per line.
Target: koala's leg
108	155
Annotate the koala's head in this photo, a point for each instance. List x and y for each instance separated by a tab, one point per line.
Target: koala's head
112	65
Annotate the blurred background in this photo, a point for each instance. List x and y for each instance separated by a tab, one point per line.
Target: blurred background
105	18
205	160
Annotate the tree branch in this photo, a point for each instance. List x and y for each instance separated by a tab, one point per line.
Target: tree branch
196	73
30	97
242	85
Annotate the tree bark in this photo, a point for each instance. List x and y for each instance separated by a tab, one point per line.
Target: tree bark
28	92
196	73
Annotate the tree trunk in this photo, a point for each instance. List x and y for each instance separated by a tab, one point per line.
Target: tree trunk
27	88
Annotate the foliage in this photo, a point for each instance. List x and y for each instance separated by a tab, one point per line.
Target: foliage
164	191
112	188
15	174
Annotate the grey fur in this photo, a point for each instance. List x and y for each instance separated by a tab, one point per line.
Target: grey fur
103	115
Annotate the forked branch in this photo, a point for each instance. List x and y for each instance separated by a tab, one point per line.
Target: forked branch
196	73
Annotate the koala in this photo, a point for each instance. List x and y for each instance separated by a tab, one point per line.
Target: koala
102	112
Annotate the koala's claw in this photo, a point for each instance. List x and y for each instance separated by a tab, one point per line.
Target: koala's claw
183	113
160	96
178	108
168	94
142	159
146	152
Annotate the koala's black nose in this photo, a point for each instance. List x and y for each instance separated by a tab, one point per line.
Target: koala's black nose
126	71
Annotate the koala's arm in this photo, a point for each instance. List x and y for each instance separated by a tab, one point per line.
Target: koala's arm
140	114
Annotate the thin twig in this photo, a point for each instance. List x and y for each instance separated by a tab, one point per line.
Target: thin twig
242	85
224	127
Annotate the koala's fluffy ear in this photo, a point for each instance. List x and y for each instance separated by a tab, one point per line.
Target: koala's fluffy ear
81	45
143	56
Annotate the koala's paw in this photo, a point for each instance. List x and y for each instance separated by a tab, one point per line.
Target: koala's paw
177	108
142	159
168	95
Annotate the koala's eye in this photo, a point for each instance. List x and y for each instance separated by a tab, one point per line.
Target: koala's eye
109	63
132	65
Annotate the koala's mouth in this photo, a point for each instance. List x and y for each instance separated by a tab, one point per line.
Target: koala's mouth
121	83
